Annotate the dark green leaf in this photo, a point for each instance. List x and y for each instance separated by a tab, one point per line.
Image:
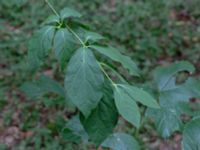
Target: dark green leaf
74	131
84	81
121	141
103	119
115	55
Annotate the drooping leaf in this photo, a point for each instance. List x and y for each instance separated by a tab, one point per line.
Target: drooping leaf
191	135
84	81
127	107
74	131
69	13
162	75
115	55
39	46
42	86
64	45
139	95
121	141
103	118
167	121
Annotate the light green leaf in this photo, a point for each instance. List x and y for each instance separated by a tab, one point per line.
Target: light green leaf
74	131
191	135
127	107
173	97
162	75
138	94
53	19
64	45
84	81
103	118
121	141
42	86
39	46
69	13
167	121
88	36
115	55
173	102
92	36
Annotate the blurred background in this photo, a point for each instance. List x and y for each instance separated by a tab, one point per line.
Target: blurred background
151	32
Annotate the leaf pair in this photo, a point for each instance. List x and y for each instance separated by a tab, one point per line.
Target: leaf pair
126	97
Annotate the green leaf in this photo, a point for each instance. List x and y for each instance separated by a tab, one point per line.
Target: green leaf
115	55
39	46
53	19
74	131
87	36
69	13
64	45
103	118
42	86
191	135
172	97
139	95
92	36
162	75
121	141
127	107
167	121
84	81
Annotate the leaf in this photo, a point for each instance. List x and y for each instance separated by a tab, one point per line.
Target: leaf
42	86
162	75
115	55
74	131
69	13
138	94
127	107
84	81
86	35
64	45
39	46
121	141
103	118
53	19
92	36
173	99
167	121
191	135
